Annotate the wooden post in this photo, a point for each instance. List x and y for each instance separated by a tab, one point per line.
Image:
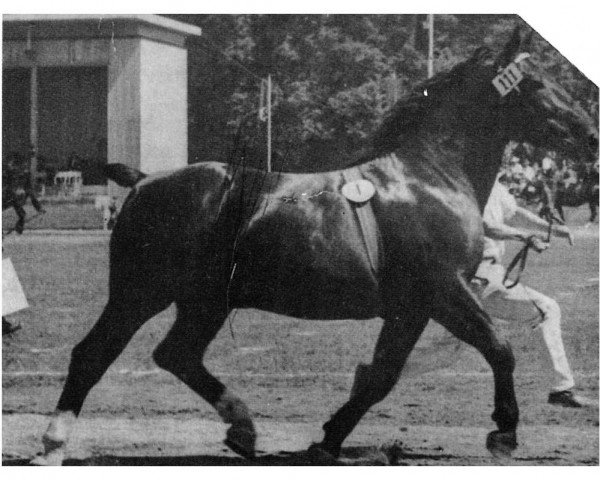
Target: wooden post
269	166
430	50
33	110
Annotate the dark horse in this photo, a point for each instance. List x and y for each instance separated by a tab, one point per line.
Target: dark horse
213	237
17	188
584	190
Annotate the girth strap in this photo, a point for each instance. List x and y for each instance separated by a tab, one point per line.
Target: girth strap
366	221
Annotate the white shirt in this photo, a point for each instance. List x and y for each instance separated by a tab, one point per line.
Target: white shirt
529	173
500	208
547	163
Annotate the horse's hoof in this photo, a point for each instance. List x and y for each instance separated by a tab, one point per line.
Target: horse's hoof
54	452
501	444
316	455
52	459
242	440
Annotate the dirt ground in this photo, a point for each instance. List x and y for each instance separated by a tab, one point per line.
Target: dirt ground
293	374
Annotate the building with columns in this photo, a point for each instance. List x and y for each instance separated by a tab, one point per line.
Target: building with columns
96	89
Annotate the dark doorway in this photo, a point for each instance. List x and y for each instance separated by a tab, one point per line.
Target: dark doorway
73	119
15	112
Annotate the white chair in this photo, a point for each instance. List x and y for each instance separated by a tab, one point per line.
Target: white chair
69	183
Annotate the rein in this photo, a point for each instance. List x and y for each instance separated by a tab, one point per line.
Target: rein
520	258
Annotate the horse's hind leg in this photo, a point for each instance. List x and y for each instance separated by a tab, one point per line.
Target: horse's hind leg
182	353
90	359
459	311
372	383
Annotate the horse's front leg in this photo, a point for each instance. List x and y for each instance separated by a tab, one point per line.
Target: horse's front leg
457	309
373	382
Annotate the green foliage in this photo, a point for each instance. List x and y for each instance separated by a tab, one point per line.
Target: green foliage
334	78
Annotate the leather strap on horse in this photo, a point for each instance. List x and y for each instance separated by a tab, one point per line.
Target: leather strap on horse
521	257
366	222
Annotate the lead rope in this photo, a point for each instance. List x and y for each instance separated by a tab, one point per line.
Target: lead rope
521	257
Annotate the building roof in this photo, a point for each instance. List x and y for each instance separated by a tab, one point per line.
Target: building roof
98	25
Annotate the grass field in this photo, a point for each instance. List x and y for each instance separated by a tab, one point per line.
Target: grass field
290	370
60	215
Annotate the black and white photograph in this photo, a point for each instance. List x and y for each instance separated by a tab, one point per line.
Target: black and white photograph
297	239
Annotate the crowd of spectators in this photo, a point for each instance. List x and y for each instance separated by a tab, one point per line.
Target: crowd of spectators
528	172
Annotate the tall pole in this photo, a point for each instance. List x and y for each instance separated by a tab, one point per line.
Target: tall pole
33	108
269	123
430	50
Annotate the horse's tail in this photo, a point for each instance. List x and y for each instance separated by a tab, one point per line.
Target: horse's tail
123	175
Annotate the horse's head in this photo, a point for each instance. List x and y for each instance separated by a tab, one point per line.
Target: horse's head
520	101
506	97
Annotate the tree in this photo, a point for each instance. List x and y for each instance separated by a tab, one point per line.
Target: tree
334	76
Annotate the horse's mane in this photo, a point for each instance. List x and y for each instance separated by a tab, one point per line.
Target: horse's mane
410	111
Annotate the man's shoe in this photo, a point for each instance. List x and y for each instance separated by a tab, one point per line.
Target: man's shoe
566	398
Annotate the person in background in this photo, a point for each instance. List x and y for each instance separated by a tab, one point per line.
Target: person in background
529	171
521	303
548	164
17	188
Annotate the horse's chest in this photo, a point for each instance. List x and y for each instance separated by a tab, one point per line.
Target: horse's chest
441	226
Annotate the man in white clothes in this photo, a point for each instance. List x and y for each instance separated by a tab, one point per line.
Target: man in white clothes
520	302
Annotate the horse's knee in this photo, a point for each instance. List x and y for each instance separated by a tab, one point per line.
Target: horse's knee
500	356
506	357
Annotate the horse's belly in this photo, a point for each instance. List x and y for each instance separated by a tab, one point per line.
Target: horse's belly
305	288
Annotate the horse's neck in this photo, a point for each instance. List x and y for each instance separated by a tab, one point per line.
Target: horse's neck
477	153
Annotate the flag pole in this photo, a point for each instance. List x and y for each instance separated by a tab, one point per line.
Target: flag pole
269	123
430	50
33	107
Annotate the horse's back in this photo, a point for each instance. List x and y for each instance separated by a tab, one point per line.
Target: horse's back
306	250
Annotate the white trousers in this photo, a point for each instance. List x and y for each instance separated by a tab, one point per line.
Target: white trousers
524	304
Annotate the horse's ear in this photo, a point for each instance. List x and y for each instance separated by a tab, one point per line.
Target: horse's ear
480	55
510	49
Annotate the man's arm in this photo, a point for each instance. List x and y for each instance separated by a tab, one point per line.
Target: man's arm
500	231
539	226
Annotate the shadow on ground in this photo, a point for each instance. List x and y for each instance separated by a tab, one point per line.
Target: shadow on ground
392	455
388	455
